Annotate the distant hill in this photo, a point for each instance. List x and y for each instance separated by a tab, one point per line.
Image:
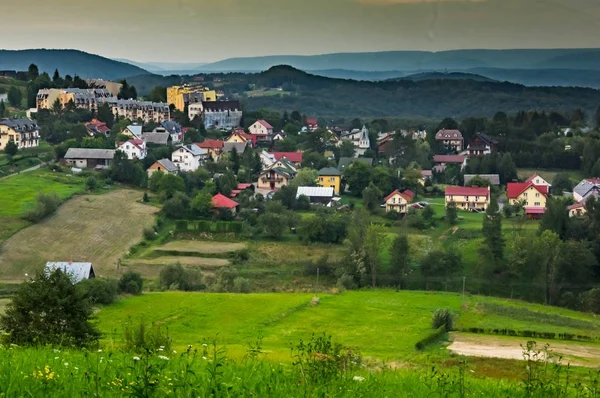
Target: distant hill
437	98
71	62
445	76
166	68
419	60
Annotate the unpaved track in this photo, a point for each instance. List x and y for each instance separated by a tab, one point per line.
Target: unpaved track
476	345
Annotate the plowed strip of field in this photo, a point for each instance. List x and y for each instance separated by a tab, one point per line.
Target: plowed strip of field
202	247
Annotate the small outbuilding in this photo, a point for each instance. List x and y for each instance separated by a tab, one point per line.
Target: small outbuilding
78	271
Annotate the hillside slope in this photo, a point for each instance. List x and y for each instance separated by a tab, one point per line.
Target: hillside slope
72	62
419	60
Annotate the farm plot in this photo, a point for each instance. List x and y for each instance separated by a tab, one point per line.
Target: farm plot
96	228
151	267
201	247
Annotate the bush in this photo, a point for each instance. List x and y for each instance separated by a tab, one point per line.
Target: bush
131	283
175	277
141	339
45	205
145	198
92	183
442	318
241	285
149	233
99	290
345	282
241	256
430	338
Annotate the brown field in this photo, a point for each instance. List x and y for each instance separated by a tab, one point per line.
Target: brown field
96	228
284	252
201	247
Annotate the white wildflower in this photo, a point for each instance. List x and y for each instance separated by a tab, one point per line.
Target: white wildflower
66	364
174	352
136	358
99	350
204	358
160	349
163	357
55	357
204	345
162	346
358	378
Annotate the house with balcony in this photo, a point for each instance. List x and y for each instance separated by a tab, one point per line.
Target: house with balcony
189	157
280	173
399	201
468	198
23	132
532	197
451	139
134	148
261	129
482	145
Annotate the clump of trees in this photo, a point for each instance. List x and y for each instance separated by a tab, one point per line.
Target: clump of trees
45	204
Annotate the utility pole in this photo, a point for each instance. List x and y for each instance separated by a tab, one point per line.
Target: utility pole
317	288
463	290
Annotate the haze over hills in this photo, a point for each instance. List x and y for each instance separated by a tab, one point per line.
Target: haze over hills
419	60
68	62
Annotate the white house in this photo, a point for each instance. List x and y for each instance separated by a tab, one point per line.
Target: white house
360	139
195	110
189	157
261	127
267	159
133	148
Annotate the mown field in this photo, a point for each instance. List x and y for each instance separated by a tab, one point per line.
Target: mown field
384	325
96	228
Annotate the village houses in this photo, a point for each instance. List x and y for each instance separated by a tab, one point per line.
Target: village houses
189	157
452	139
330	177
23	132
468	198
532	197
399	201
162	165
134	148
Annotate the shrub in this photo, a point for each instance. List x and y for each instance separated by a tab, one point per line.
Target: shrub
442	317
346	282
141	339
175	277
45	205
241	285
131	282
149	233
430	338
590	300
241	256
92	183
145	198
99	290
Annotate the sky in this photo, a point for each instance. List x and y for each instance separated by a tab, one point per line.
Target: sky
212	30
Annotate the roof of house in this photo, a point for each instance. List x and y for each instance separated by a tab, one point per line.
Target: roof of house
241	186
171	126
494	179
448	159
426	173
444	134
514	189
221	201
407	194
167	164
156	138
210	144
530	179
312	122
295	157
264	123
239	146
97	125
21	125
221	105
284	171
89	153
194	150
586	185
486	139
315	192
77	271
136	142
535	210
135	129
467	191
345	162
577	205
329	171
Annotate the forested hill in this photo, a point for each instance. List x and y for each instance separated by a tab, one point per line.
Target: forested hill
430	98
68	62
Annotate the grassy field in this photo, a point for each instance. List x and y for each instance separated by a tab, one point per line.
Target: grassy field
18	193
96	228
549	175
382	324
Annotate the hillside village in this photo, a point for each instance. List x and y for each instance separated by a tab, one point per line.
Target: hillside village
184	189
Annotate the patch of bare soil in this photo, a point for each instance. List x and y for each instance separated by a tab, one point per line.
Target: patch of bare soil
576	354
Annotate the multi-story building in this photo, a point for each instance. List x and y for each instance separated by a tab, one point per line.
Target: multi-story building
360	139
156	112
90	99
452	139
468	198
224	115
532	197
24	132
180	96
112	87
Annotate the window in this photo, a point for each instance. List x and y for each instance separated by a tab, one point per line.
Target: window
525	194
537	195
320	179
476	198
536	204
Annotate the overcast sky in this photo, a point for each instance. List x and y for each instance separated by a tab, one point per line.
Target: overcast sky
211	30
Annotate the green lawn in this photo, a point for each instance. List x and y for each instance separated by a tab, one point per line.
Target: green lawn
18	193
384	324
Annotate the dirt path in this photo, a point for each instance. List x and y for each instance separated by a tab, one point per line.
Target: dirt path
473	345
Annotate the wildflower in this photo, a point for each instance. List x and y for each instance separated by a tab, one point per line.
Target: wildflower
163	357
66	364
174	352
99	350
358	378
204	358
136	358
160	349
204	345
76	368
55	350
55	357
162	346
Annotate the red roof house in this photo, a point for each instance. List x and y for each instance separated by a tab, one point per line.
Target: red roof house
265	123
312	124
467	191
294	157
97	127
210	144
444	159
221	201
514	189
407	194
